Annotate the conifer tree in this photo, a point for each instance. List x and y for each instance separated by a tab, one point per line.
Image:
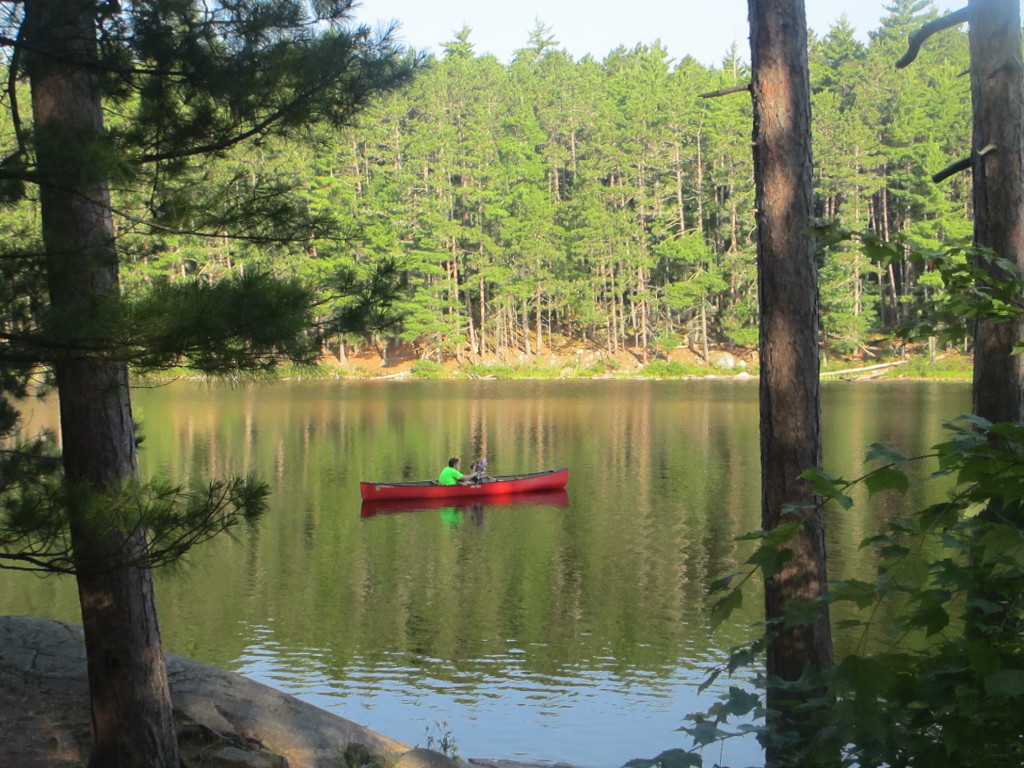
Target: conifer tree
185	81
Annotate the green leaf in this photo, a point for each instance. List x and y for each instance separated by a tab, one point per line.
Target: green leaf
705	732
886	479
745	656
863	673
722	584
769	559
721	610
884	454
801	613
828	487
1007	682
931	613
709	680
741	702
860	593
880	252
783	534
1001	541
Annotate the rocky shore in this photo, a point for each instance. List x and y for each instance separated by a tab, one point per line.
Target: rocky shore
224	720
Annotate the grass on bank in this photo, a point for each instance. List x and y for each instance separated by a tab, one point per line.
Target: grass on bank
955	368
949	368
958	368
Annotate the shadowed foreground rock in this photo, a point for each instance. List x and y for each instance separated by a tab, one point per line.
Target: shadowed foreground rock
225	720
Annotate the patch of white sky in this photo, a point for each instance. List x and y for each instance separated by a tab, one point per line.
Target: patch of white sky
703	29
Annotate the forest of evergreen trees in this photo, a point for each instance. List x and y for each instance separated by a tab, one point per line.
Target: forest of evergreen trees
549	199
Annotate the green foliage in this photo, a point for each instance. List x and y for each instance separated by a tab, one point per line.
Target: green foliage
35	526
248	322
741	329
947	663
498	371
959	283
598	199
441	738
294	370
600	367
669	369
427	369
208	114
956	367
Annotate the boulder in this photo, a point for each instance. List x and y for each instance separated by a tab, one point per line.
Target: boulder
425	758
224	720
44	710
725	361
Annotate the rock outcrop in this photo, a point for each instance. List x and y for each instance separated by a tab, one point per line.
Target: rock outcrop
225	720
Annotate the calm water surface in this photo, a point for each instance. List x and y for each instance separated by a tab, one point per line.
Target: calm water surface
567	630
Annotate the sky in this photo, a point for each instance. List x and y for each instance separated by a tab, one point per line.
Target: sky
704	29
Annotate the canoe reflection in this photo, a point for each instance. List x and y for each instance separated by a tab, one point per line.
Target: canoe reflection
478	504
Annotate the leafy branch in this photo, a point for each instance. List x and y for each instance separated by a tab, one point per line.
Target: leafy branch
35	529
960	283
948	661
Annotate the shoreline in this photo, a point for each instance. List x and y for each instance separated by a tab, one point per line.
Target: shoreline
371	369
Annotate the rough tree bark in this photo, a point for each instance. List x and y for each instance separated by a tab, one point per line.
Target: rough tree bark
997	89
131	709
787	286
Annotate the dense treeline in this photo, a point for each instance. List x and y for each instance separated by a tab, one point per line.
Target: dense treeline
603	200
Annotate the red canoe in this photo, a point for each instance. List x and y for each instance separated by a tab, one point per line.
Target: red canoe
501	485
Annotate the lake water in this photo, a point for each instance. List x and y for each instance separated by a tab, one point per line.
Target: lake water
568	630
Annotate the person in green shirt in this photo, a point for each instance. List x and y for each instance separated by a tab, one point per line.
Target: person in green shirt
451	475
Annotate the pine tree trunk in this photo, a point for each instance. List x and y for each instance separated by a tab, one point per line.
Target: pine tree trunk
483	318
131	707
539	319
787	289
700	184
471	325
998	106
704	332
680	206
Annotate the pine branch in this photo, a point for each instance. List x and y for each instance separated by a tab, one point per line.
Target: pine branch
927	30
960	165
171	520
48	562
12	94
726	91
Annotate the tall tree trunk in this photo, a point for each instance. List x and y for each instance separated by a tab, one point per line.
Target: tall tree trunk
997	91
704	331
131	707
471	325
680	206
893	293
700	181
787	289
483	318
539	319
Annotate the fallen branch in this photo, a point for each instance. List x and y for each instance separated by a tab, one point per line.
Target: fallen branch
393	375
917	39
868	368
